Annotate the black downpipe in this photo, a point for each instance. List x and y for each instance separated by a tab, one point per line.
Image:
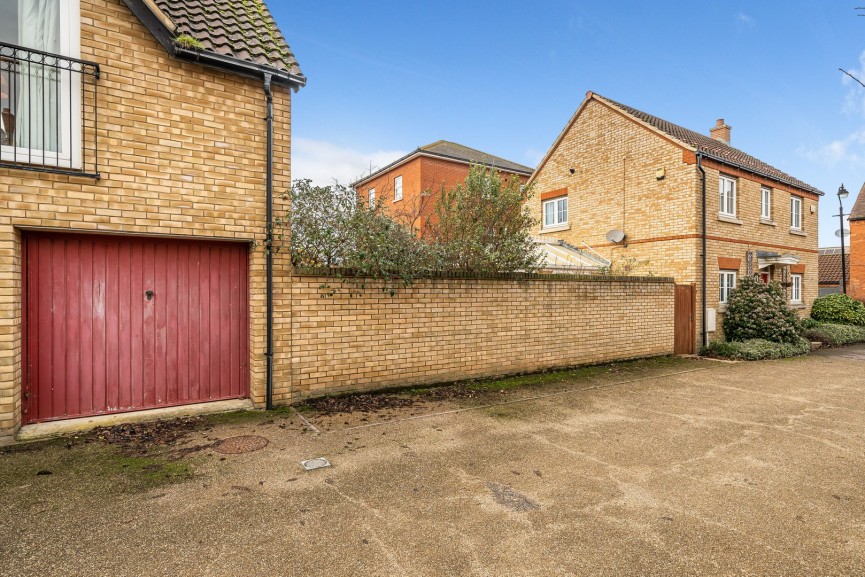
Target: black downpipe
268	243
704	334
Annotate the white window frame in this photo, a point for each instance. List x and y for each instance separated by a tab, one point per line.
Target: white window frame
766	203
371	197
70	46
397	188
726	283
796	289
726	195
559	212
796	212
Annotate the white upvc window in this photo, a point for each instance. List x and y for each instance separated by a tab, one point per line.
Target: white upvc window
796	288
41	103
397	188
766	203
727	188
371	195
556	212
726	282
796	213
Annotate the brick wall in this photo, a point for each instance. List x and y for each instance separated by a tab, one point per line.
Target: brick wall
856	288
182	152
445	329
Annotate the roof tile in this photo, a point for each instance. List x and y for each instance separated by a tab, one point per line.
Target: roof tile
242	29
713	148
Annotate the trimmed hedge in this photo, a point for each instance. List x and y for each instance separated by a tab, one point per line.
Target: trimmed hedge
835	335
839	309
756	349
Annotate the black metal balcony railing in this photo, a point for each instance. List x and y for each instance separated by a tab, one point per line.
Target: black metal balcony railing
48	106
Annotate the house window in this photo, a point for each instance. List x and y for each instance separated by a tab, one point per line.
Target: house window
397	188
728	196
372	198
40	98
727	282
796	288
556	212
766	203
795	213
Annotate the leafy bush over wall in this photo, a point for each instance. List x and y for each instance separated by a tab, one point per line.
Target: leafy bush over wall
759	311
756	349
840	309
834	335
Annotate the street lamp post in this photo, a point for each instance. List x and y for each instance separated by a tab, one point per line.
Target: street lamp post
842	194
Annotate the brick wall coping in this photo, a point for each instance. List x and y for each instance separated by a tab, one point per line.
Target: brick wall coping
335	272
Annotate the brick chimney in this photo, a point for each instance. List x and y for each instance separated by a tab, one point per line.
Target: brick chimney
720	131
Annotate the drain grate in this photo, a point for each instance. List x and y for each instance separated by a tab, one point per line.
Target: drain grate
317	463
240	444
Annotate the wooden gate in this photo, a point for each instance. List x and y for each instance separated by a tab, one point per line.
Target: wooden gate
685	325
118	323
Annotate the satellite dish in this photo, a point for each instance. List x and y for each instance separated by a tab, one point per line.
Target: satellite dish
845	233
616	235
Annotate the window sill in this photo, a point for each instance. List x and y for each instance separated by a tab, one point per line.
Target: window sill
722	308
557	228
797	306
397	200
730	219
798	232
768	222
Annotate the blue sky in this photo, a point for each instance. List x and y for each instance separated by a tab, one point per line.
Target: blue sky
504	77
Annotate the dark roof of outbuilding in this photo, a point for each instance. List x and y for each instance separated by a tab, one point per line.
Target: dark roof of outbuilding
858	211
829	264
239	29
711	147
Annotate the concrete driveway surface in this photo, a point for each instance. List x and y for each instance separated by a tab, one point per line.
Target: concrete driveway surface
684	468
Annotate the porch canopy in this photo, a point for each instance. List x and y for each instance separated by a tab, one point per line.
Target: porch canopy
767	259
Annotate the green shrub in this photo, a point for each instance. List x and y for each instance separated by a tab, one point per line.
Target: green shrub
759	311
834	335
809	323
756	349
840	309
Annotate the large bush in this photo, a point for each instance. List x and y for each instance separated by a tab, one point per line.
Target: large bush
838	308
832	335
756	349
759	311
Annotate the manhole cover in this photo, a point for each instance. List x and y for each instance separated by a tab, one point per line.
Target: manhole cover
240	444
316	463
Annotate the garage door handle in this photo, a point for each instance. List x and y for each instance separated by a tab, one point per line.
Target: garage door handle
148	294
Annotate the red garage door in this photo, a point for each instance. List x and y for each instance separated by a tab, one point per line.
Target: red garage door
117	324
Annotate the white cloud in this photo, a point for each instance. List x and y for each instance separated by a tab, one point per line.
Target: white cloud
848	152
854	100
323	162
744	18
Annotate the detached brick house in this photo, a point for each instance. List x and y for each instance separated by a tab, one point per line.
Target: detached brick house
630	185
134	178
411	184
856	287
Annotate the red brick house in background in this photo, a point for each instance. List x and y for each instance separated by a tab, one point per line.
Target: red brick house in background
830	270
856	288
410	184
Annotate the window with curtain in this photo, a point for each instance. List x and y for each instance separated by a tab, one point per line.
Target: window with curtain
32	93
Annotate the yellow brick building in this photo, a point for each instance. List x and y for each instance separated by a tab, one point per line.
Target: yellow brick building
133	187
615	168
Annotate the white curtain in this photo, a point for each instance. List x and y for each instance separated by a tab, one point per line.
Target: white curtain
37	108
